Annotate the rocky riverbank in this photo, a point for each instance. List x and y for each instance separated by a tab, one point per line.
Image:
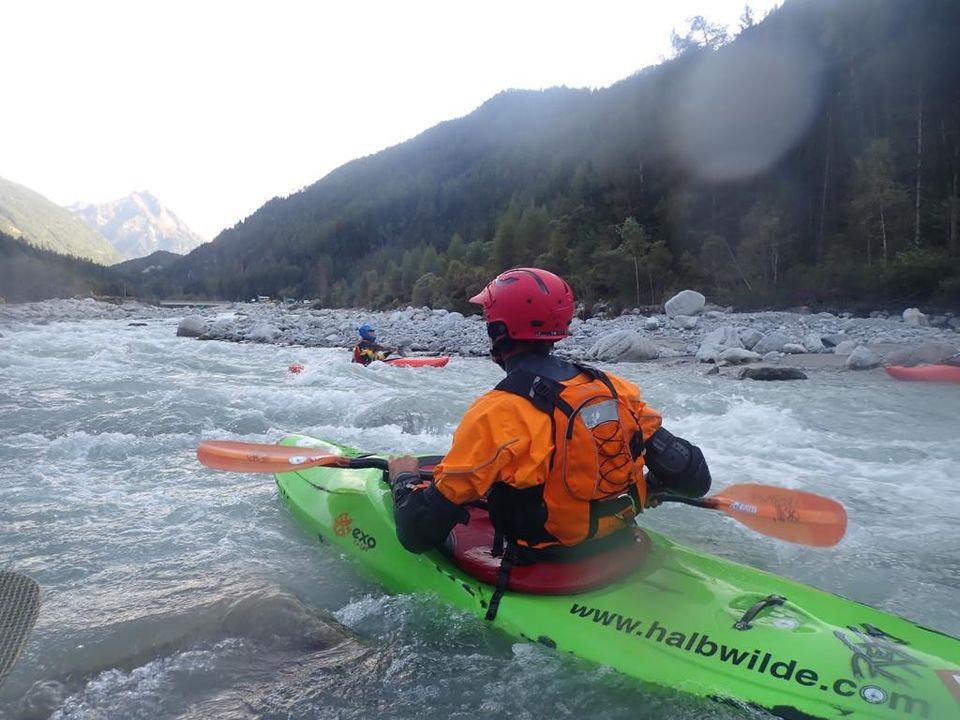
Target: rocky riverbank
688	331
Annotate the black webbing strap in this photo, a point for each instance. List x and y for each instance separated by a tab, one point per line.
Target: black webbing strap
503	579
542	391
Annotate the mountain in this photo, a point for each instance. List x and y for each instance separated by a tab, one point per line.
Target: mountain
139	267
31	218
139	225
814	159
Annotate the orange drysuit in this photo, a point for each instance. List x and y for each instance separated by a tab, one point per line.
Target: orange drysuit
505	437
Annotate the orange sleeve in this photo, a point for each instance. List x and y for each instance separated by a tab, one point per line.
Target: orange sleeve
501	438
649	418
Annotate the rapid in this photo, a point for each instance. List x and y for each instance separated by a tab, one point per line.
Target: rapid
175	591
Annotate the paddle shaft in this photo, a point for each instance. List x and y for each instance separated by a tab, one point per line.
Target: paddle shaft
790	515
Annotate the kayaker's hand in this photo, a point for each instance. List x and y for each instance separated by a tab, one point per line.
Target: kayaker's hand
403	464
654	488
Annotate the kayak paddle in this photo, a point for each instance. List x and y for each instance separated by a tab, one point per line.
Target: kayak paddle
791	515
19	606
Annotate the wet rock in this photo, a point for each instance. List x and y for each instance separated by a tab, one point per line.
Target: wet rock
41	700
845	347
263	332
766	372
192	326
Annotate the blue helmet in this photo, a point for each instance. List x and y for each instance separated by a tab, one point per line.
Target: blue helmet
367	332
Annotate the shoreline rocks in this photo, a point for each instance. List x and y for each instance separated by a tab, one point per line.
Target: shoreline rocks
718	337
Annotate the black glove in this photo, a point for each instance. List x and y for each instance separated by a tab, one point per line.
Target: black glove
403	484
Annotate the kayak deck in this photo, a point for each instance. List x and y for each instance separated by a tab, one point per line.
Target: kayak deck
683	619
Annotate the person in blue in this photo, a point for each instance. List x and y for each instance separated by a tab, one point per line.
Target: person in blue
368	350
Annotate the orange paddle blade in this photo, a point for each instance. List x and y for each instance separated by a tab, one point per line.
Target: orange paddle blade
263	458
791	515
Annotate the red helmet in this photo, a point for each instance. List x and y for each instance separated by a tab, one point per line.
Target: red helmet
534	304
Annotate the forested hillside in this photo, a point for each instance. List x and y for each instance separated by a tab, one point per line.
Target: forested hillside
813	159
29	273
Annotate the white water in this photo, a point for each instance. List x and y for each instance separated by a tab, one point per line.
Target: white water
173	591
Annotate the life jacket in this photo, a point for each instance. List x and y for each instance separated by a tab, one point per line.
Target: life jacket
595	484
365	352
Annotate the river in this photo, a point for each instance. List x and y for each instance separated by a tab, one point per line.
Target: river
174	591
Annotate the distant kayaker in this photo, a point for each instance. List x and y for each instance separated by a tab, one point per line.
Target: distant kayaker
557	449
368	350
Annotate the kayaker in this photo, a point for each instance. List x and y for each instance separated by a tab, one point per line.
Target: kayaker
557	450
368	350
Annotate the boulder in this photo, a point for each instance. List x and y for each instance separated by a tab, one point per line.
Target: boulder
750	337
684	322
651	323
192	326
716	341
772	341
845	347
263	332
623	346
812	343
913	316
863	358
738	356
685	302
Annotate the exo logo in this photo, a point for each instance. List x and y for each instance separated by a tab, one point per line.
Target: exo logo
341	526
364	542
951	678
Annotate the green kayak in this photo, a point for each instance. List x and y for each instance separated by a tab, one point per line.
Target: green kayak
656	611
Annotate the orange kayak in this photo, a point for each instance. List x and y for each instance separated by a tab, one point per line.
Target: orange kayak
926	373
418	361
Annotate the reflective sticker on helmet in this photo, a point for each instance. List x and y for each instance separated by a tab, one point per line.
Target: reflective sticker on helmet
600	413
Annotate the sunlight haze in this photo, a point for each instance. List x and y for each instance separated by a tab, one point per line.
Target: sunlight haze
216	107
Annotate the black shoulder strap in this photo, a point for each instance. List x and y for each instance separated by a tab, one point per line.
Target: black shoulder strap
543	392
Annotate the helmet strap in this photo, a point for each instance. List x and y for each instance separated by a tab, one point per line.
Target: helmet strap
503	347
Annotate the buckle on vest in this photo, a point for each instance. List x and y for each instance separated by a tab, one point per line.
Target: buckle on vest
627	514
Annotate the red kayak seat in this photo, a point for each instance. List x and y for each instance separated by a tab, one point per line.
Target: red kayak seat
470	544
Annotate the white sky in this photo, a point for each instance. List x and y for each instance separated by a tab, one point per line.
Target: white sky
217	106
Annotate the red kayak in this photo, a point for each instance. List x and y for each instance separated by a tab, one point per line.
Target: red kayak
927	373
418	361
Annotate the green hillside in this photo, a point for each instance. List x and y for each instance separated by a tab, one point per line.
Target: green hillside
814	159
29	217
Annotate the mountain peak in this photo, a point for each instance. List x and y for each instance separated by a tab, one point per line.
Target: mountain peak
139	225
